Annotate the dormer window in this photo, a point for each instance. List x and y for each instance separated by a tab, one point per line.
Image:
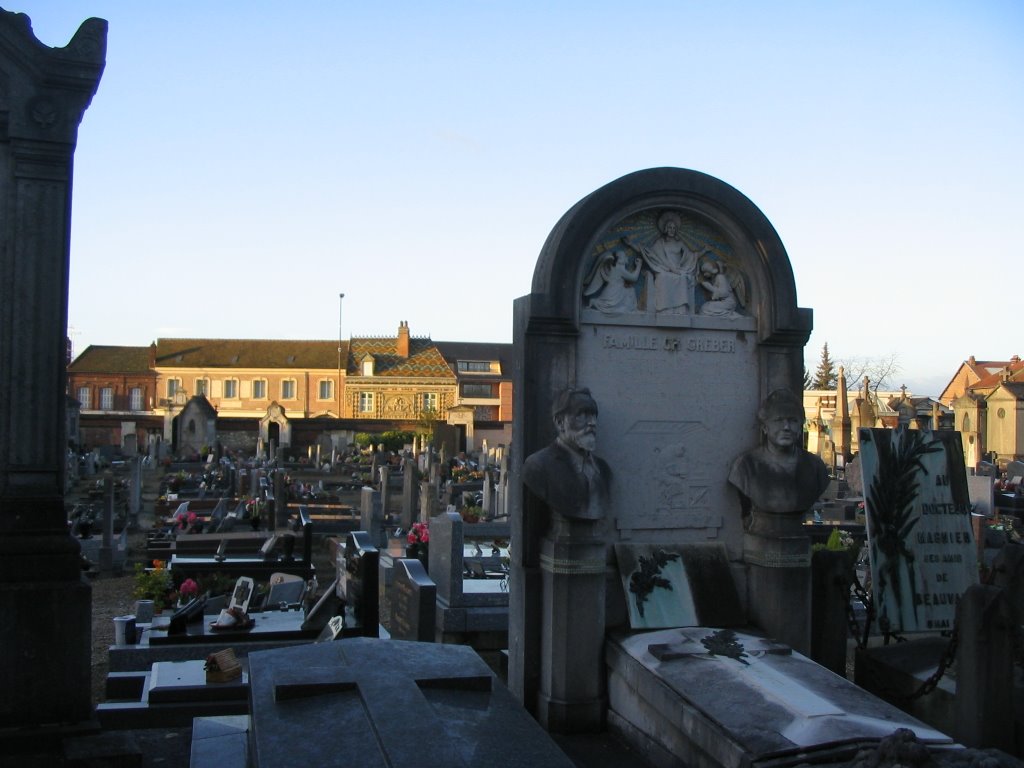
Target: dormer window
477	366
367	365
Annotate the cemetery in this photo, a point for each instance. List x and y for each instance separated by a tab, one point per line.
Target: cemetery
655	572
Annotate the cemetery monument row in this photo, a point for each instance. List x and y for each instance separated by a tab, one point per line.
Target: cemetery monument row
668	299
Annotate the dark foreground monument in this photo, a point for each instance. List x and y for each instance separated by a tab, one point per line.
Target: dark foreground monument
44	601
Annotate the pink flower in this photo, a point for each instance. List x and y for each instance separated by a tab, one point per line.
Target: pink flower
188	588
420	534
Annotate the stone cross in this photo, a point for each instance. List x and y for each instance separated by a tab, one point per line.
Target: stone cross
384	684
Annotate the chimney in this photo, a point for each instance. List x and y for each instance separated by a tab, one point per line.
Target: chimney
152	354
402	345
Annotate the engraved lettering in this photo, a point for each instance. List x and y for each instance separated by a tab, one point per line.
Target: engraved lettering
711	345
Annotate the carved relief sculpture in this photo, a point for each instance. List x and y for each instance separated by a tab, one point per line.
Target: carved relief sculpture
664	262
674	266
566	475
725	291
779	481
611	285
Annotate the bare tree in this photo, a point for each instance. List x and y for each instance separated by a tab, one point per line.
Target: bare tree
881	371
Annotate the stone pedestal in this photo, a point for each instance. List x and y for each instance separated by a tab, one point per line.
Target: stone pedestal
572	685
779	587
44	601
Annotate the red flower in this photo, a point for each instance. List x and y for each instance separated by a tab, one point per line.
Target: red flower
188	588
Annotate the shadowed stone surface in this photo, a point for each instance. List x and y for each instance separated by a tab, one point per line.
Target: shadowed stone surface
388	703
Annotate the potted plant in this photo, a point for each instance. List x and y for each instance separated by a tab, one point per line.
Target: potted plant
155	584
472	514
255	508
419	542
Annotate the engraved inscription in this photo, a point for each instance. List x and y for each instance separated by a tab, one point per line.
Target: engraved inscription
668	344
631	342
711	345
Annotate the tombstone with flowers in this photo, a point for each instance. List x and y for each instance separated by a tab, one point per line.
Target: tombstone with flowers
419	542
254	509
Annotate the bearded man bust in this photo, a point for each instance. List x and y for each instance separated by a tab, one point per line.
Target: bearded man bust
567	475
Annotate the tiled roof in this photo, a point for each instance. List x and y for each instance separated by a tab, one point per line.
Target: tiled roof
105	359
247	353
424	361
204	405
992	380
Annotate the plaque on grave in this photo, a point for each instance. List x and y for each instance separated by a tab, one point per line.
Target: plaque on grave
413	602
683	585
374	702
922	550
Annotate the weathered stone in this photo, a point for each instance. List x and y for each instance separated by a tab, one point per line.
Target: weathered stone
44	600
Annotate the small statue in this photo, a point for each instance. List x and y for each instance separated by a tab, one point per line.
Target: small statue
779	481
725	291
611	285
566	475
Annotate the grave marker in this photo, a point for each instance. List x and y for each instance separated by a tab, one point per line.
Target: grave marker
413	601
388	703
922	549
678	275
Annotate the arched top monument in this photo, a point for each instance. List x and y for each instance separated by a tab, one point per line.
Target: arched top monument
716	232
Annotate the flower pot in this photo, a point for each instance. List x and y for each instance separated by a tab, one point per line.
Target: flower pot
418	551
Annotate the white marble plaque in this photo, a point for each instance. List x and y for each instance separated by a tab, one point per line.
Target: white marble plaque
922	548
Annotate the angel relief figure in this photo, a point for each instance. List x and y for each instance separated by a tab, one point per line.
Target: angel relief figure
611	285
725	287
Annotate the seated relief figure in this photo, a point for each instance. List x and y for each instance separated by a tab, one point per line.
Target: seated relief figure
566	475
778	481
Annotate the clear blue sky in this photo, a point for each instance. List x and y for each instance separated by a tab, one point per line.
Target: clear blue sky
415	156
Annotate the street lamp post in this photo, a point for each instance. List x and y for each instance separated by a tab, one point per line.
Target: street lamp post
341	296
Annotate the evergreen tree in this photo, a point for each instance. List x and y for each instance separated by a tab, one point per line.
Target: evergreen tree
825	377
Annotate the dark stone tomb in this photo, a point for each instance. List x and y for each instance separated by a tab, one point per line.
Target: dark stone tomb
373	702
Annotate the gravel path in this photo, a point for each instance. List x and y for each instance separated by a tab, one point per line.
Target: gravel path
111	596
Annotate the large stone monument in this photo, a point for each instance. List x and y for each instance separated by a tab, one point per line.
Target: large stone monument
669	296
44	600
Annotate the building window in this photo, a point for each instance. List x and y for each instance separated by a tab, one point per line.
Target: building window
230	389
203	387
368	366
173	385
474	366
259	389
107	399
83	397
476	390
326	390
366	402
135	399
430	401
288	389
